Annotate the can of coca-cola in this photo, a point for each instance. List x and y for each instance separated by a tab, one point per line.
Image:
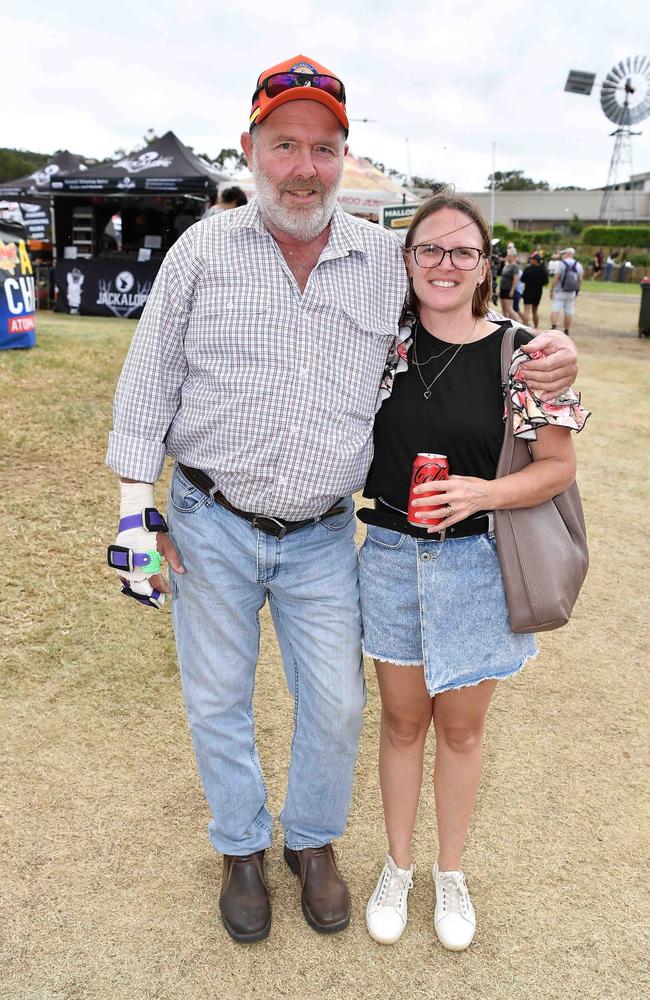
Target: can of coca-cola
426	469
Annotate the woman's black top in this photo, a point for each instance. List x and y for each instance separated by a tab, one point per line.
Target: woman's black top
463	417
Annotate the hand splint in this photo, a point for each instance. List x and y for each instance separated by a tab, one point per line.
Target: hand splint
134	553
126	560
153	599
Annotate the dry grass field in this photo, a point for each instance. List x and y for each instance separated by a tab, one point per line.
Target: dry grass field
109	886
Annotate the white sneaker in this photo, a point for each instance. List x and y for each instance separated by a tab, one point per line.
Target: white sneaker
454	919
386	911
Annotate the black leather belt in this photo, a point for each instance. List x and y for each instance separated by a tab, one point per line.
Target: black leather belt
275	526
385	517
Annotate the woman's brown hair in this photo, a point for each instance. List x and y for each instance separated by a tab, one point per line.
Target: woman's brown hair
447	198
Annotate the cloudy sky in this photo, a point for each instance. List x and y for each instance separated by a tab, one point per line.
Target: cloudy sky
441	82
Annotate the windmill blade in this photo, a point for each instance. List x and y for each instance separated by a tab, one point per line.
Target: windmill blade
615	97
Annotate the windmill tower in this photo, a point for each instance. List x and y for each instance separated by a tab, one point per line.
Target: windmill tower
625	100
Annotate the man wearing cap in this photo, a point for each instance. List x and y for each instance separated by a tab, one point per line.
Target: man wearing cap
565	288
256	365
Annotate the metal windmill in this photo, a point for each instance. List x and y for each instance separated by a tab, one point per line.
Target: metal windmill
625	100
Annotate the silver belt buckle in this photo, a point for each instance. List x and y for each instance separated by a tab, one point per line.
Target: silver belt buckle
257	523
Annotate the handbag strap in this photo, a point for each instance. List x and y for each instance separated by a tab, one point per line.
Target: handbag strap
504	465
515	453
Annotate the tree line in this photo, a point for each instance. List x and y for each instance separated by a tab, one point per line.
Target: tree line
16	163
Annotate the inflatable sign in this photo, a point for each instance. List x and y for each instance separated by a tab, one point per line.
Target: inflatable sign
17	292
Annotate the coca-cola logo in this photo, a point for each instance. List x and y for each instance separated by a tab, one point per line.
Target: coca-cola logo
428	472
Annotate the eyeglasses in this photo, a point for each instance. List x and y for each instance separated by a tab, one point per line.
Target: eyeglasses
431	255
279	82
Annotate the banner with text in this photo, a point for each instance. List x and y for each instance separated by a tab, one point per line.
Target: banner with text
17	298
104	287
33	215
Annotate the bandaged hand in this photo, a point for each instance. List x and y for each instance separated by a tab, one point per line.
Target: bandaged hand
134	555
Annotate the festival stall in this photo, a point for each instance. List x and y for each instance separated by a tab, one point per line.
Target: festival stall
365	189
17	298
114	223
27	199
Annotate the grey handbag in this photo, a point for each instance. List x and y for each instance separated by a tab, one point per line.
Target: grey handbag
542	550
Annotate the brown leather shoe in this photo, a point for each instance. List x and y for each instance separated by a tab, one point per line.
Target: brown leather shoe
244	901
325	898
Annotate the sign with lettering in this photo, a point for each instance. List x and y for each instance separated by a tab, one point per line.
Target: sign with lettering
397	218
104	287
17	292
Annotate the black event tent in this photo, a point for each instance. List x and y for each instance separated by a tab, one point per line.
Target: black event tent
39	182
27	199
165	166
156	194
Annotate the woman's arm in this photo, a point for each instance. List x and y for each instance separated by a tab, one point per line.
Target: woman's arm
552	470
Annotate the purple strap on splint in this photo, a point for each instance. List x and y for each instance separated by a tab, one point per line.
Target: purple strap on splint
119	557
150	519
148	601
132	521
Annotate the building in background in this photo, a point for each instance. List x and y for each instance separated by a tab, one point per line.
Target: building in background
557	209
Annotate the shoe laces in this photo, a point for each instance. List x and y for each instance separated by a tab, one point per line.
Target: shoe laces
393	888
454	893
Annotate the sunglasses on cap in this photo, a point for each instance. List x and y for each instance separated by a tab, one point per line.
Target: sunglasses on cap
278	83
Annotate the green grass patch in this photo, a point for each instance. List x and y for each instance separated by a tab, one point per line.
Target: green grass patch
611	287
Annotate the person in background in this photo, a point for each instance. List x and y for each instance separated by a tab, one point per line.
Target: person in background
534	278
554	264
624	266
232	197
565	288
610	264
508	283
213	207
434	613
519	291
496	266
598	263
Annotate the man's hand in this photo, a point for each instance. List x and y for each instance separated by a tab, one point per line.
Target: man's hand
141	541
557	370
166	548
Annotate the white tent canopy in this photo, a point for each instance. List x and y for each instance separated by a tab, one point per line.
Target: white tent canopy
364	189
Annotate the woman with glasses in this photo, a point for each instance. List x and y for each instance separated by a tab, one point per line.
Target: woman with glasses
434	612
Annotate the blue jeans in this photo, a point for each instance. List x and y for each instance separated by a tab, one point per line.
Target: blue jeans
310	579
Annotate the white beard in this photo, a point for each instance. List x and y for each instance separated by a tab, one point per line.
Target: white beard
303	224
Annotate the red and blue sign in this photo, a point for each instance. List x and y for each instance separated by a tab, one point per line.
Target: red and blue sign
17	290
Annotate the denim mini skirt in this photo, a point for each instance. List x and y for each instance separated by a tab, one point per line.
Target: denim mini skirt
440	604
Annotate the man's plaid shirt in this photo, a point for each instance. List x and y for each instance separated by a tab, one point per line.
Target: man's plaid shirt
268	390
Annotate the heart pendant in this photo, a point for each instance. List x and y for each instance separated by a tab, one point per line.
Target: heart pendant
427	394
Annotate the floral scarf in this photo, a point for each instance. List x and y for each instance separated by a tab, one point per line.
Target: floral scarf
529	412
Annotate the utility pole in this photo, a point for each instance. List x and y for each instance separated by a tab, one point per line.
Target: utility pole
494	151
408	163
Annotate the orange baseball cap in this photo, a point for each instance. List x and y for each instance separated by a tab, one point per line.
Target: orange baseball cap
298	79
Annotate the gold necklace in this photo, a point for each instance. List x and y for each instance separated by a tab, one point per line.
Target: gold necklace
434	357
427	388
